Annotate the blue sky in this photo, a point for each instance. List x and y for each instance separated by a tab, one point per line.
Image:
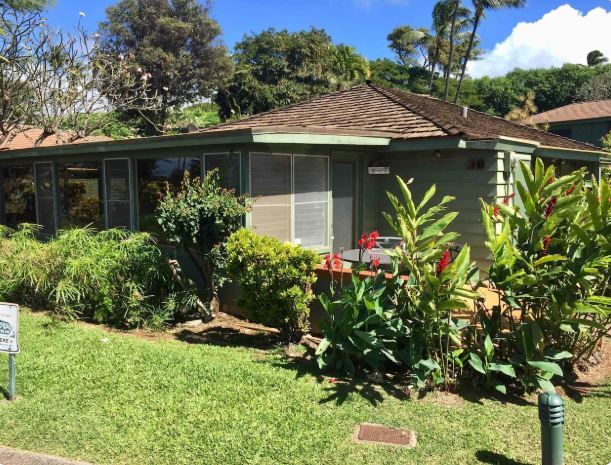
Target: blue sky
364	24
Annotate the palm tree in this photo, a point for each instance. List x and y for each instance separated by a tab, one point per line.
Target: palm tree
596	57
480	8
451	53
349	66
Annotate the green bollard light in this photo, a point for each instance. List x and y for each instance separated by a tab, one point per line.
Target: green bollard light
551	415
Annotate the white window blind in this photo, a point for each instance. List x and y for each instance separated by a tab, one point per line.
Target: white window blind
270	185
311	200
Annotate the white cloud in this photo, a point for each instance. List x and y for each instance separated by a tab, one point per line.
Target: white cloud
564	35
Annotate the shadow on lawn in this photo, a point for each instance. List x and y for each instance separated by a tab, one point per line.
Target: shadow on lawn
493	458
230	337
339	389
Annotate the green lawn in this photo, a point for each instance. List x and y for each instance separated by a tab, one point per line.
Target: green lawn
132	401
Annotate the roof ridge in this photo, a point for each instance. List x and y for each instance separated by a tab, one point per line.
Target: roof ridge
282	108
450	128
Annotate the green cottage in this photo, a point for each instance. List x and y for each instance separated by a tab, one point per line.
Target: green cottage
319	169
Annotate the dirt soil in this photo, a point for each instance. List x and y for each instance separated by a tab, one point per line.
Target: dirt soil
589	377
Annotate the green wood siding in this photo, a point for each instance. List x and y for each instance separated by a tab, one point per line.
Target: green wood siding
584	131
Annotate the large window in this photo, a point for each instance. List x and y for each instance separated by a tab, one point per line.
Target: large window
80	194
292	197
154	177
45	193
118	193
18	195
228	166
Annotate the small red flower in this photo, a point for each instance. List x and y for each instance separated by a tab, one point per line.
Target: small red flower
547	240
375	262
443	262
551	180
549	208
496	211
369	241
332	261
507	198
570	190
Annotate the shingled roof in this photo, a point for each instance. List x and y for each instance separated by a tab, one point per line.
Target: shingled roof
575	112
370	109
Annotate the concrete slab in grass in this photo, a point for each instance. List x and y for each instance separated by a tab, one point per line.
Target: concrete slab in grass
9	456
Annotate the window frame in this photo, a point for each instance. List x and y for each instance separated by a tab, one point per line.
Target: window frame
292	192
129	188
228	153
54	198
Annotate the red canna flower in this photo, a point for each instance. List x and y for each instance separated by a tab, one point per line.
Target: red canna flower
443	262
549	209
332	261
375	262
369	241
507	198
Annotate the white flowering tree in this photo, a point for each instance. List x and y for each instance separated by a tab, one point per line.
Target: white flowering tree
60	82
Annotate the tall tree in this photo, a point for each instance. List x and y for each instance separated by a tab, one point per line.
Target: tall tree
349	66
410	45
54	80
596	57
480	7
176	40
278	68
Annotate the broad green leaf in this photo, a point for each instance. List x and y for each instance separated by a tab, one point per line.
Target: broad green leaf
549	367
476	363
504	368
549	259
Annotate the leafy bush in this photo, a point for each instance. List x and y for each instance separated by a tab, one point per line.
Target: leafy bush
551	261
200	217
275	280
405	320
114	277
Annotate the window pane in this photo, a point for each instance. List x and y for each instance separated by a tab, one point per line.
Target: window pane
270	185
311	201
18	195
80	198
228	166
44	197
153	177
118	199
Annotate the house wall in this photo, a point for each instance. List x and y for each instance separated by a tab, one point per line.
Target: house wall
585	131
465	175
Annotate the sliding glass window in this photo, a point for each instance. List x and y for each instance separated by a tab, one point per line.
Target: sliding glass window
80	194
45	197
118	193
228	166
291	198
18	195
311	201
154	178
270	185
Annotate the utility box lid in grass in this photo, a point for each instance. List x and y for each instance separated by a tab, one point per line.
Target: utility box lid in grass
384	435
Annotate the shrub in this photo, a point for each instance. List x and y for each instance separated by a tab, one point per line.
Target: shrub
551	261
113	277
199	218
275	280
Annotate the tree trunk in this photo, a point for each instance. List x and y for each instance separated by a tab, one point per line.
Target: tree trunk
433	66
451	54
478	15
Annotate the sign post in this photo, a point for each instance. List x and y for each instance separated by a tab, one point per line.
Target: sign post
9	341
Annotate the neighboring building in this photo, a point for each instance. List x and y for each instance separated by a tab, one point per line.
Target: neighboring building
310	166
585	121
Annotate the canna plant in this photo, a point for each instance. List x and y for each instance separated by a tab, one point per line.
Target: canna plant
551	263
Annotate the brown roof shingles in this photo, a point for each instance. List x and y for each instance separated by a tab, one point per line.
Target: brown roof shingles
575	112
30	138
403	115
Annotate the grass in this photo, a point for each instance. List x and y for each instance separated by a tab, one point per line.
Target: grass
131	401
